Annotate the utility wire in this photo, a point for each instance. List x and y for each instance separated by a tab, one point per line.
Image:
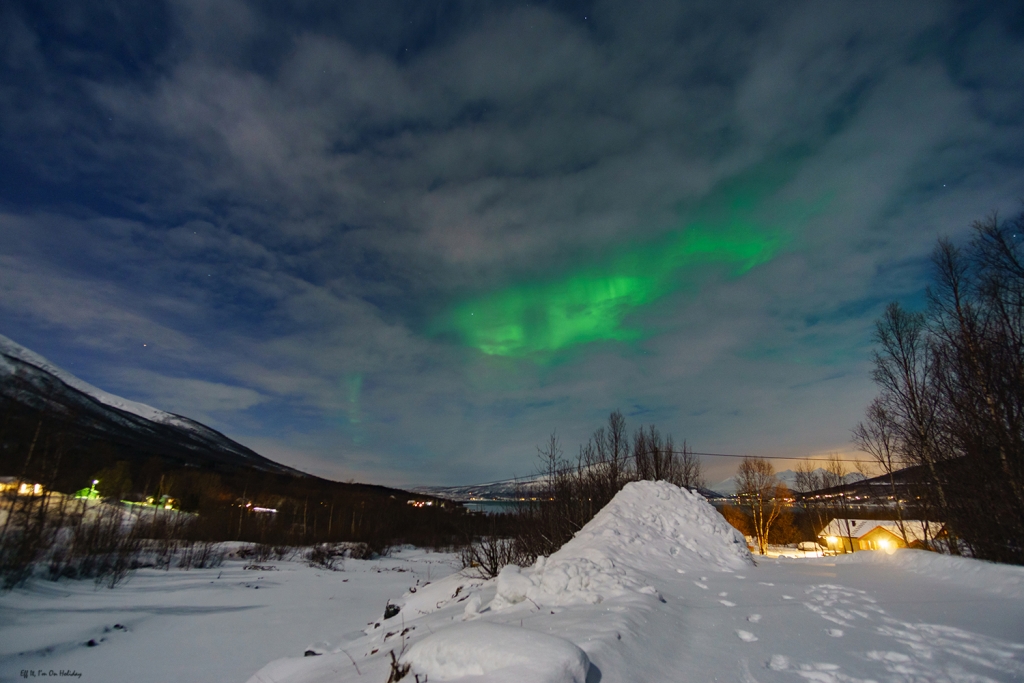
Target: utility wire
563	470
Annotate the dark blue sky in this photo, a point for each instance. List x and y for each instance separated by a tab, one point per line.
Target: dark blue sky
282	219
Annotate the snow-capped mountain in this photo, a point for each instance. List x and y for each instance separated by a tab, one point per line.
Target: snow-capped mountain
12	351
504	490
31	381
787	477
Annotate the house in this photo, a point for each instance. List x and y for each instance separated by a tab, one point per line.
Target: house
22	488
851	535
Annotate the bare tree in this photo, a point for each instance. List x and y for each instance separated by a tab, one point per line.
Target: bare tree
952	391
759	490
646	453
809	481
834	478
689	468
879	438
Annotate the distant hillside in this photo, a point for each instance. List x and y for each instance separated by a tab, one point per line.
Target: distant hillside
787	477
94	429
505	490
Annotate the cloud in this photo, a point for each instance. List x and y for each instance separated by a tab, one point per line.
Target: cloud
195	398
285	199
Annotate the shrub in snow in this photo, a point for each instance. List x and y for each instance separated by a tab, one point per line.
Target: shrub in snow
325	556
391	610
505	654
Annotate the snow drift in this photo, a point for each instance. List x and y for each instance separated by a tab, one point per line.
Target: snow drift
647	528
1001	579
546	623
502	653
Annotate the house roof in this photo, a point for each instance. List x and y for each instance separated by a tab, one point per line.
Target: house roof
858	528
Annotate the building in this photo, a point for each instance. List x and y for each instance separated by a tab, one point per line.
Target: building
22	488
851	535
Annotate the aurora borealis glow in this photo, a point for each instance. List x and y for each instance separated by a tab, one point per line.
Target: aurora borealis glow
401	242
592	303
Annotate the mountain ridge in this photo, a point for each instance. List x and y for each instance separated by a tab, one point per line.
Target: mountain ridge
33	382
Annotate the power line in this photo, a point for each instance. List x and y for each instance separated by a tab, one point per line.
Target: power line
562	470
774	457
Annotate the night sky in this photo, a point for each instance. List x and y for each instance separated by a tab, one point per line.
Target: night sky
402	242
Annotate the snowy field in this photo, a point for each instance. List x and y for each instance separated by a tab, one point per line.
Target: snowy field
200	625
656	588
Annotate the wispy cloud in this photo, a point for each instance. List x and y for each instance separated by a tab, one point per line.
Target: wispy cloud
282	199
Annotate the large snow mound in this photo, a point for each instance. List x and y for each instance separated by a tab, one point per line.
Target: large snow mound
1002	579
499	653
648	527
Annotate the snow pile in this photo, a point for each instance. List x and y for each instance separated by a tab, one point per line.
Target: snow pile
648	527
423	600
502	653
1005	580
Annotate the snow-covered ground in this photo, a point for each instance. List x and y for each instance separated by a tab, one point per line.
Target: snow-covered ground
218	624
656	588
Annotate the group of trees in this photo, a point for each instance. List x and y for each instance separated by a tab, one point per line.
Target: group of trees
79	538
952	392
771	513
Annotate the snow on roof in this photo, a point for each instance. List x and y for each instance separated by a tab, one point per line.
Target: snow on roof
916	529
648	526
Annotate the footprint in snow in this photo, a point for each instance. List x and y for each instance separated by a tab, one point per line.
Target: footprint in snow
834	632
727	603
754	618
745	636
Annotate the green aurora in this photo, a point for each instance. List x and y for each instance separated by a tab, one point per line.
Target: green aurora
591	303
